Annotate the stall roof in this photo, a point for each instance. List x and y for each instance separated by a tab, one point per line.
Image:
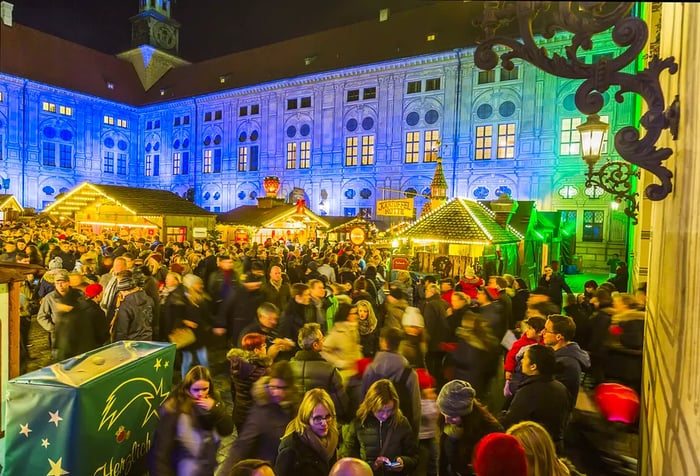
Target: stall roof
461	221
139	201
9	201
337	222
252	215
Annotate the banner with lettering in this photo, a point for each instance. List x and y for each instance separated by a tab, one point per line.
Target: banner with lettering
402	207
94	414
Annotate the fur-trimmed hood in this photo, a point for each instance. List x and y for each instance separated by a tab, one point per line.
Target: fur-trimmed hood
244	362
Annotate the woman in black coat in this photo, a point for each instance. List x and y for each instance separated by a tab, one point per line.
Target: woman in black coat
310	442
248	364
380	434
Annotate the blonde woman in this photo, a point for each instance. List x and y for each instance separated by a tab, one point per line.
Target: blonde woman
310	441
539	449
367	325
380	434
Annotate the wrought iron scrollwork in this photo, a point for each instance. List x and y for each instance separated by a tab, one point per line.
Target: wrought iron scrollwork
584	20
616	178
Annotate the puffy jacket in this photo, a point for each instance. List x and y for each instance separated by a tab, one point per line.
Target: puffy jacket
366	440
296	458
246	369
311	370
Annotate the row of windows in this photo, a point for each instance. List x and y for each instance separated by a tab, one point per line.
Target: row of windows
51	107
111	121
367	93
505	142
253	110
181	120
433	84
489	76
108	167
298	103
216	115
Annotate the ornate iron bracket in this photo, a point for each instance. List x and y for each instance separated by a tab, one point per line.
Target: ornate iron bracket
616	178
585	19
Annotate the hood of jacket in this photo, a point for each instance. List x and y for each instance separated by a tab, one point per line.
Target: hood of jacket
244	362
389	364
573	351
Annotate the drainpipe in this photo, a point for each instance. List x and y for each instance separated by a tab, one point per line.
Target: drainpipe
457	115
195	141
24	139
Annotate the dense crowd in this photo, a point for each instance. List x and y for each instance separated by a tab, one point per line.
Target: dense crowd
338	365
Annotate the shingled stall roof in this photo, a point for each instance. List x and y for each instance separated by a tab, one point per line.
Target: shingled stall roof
461	221
254	216
9	201
138	201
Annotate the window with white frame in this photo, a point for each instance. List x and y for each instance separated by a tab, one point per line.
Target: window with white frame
291	155
121	164
152	165
109	120
65	110
211	161
506	141
570	140
367	157
122	123
431	140
48	106
412	147
242	159
483	143
109	163
351	151
305	154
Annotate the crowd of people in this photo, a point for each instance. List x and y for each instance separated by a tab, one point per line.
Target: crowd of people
338	365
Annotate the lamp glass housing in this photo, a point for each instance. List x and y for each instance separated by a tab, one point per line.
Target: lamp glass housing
592	133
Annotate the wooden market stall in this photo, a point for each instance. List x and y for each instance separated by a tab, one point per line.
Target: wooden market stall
131	211
463	233
10	209
272	219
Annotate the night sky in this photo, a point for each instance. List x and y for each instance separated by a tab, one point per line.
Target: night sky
209	28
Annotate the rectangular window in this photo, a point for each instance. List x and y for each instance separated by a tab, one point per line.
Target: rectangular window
207	116
291	155
121	164
306	101
121	123
217	161
305	154
430	145
218	115
412	147
65	157
176	234
369	93
1	156
65	110
254	158
254	109
149	125
350	151
413	87
207	161
509	75
109	120
506	141
366	213
48	106
353	95
156	165
242	159
349	211
291	104
1	96
176	121
486	77
109	163
185	120
570	141
242	111
177	163
185	163
432	84
367	157
593	225
156	124
149	165
484	142
49	154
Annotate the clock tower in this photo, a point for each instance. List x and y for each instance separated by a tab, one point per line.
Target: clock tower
154	42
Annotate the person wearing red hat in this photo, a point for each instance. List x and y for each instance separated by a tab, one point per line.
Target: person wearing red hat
498	454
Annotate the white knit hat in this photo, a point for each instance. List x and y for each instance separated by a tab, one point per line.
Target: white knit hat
412	317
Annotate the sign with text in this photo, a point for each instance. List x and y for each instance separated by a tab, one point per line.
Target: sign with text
357	235
402	207
399	262
199	232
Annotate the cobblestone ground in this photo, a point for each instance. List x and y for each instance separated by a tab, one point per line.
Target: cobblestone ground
40	356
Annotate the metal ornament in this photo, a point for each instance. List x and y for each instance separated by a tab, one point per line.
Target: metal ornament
585	19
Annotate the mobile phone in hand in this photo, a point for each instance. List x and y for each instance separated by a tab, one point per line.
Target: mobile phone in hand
392	464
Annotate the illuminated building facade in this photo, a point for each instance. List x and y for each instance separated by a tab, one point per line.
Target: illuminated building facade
351	115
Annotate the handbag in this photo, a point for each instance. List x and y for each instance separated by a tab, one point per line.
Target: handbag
182	337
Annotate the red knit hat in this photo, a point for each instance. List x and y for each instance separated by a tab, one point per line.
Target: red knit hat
362	365
425	380
498	454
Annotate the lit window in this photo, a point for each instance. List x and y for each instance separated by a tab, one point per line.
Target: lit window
412	147
65	110
1	96
121	123
484	142
242	159
350	151
177	163
570	143
305	154
369	93
353	95
413	87
109	120
430	146
152	164
506	141
594	192
486	77
432	84
367	150
291	155
48	107
430	37
568	191
109	163
206	165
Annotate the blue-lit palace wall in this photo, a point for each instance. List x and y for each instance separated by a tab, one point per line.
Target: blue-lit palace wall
346	137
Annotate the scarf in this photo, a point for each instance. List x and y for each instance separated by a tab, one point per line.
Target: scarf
453	431
367	326
325	447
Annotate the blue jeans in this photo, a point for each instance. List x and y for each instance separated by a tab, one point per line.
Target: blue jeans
187	357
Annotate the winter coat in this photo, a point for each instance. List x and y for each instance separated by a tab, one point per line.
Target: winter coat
370	439
476	355
571	361
133	318
246	368
185	444
293	319
296	458
311	370
278	297
394	313
184	309
519	302
541	399
413	348
554	288
238	310
435	315
80	330
391	365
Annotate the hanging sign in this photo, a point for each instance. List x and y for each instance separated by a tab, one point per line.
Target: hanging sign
402	207
357	235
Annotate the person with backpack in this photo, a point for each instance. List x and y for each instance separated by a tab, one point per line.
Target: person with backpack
389	364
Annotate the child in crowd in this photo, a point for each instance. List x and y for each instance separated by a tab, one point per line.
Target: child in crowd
532	334
414	343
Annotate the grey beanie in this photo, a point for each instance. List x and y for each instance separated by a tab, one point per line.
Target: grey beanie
456	398
125	281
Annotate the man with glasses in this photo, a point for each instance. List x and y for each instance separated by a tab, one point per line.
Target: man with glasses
571	360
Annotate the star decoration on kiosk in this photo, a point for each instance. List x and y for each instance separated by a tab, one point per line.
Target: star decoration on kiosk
166	365
25	430
55	418
56	469
45	442
157	365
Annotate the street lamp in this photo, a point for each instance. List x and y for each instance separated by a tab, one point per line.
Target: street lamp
614	177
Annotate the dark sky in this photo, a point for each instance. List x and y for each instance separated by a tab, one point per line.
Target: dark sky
209	28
